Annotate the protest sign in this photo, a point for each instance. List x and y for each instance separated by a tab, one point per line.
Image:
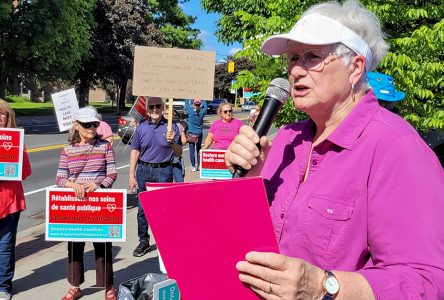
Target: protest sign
11	153
234	211
166	290
213	164
173	73
65	105
99	217
138	111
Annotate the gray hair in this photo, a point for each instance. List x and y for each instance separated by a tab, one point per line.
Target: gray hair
363	22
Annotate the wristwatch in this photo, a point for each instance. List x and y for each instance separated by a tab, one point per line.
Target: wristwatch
331	286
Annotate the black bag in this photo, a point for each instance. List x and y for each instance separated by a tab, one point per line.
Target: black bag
141	287
192	138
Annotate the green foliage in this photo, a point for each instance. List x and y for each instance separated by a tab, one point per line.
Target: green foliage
223	79
49	38
414	29
16	99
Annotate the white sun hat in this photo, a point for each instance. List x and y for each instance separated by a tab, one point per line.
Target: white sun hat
86	115
315	29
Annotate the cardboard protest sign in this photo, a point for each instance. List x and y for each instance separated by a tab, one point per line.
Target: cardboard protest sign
173	73
99	217
65	105
213	164
11	153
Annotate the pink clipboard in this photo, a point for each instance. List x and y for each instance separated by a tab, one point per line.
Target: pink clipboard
203	229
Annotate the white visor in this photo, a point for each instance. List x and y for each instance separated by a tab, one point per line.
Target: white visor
314	29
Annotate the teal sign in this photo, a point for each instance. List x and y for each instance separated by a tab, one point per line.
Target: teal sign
166	290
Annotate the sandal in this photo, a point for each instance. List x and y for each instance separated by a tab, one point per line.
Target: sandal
73	294
110	294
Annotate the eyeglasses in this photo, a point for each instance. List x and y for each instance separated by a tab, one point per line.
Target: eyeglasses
3	114
227	111
312	59
151	106
89	125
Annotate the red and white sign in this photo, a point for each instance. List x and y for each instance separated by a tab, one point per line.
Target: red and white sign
213	164
99	217
11	153
138	111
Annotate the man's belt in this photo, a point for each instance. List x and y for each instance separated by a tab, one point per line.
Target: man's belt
155	165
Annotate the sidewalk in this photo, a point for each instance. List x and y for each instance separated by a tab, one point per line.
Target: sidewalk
42	266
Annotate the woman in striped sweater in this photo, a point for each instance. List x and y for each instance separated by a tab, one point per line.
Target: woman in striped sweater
87	164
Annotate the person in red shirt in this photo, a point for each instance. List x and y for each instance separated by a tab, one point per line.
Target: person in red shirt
12	203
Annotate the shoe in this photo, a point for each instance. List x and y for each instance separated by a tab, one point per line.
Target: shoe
4	295
73	294
142	249
110	294
193	169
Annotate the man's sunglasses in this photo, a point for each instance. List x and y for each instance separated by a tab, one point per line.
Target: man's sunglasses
151	106
89	125
227	111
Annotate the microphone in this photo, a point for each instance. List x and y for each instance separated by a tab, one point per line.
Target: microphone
277	92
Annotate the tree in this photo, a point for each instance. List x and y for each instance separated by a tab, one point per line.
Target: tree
223	79
415	30
120	25
46	39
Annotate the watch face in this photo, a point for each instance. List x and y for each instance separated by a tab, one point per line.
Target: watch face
332	285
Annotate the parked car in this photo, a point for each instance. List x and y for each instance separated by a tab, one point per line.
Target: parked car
247	106
126	125
435	139
214	105
179	106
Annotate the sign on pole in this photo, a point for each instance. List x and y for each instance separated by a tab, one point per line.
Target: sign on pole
173	73
138	111
213	165
99	217
65	105
230	67
11	153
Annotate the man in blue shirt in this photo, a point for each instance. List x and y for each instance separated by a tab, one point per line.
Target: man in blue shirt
196	111
152	150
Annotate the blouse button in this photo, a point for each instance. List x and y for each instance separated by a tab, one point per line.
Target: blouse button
282	215
314	162
330	211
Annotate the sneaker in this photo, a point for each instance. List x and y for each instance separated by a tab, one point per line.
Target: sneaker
193	169
142	249
4	295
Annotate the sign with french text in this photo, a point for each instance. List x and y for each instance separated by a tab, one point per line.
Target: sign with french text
11	153
98	217
173	73
213	165
65	105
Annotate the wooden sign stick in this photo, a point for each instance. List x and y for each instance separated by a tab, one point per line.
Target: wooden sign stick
170	114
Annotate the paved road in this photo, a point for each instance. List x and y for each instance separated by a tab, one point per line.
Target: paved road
44	145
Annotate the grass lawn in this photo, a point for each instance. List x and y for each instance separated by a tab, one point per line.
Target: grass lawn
23	107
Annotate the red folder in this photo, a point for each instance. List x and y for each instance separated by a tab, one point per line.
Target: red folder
203	229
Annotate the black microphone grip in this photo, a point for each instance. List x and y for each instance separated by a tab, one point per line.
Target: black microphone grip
261	126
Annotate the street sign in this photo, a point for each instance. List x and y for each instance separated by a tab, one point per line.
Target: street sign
231	67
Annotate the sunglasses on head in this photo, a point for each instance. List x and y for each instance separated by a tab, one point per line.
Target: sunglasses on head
151	106
89	124
227	111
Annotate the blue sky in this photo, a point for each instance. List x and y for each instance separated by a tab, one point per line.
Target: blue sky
207	23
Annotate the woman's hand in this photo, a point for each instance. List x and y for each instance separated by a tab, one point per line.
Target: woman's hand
90	187
243	151
79	189
275	276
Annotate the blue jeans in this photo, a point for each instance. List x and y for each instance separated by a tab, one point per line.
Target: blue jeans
146	174
193	152
178	171
8	234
